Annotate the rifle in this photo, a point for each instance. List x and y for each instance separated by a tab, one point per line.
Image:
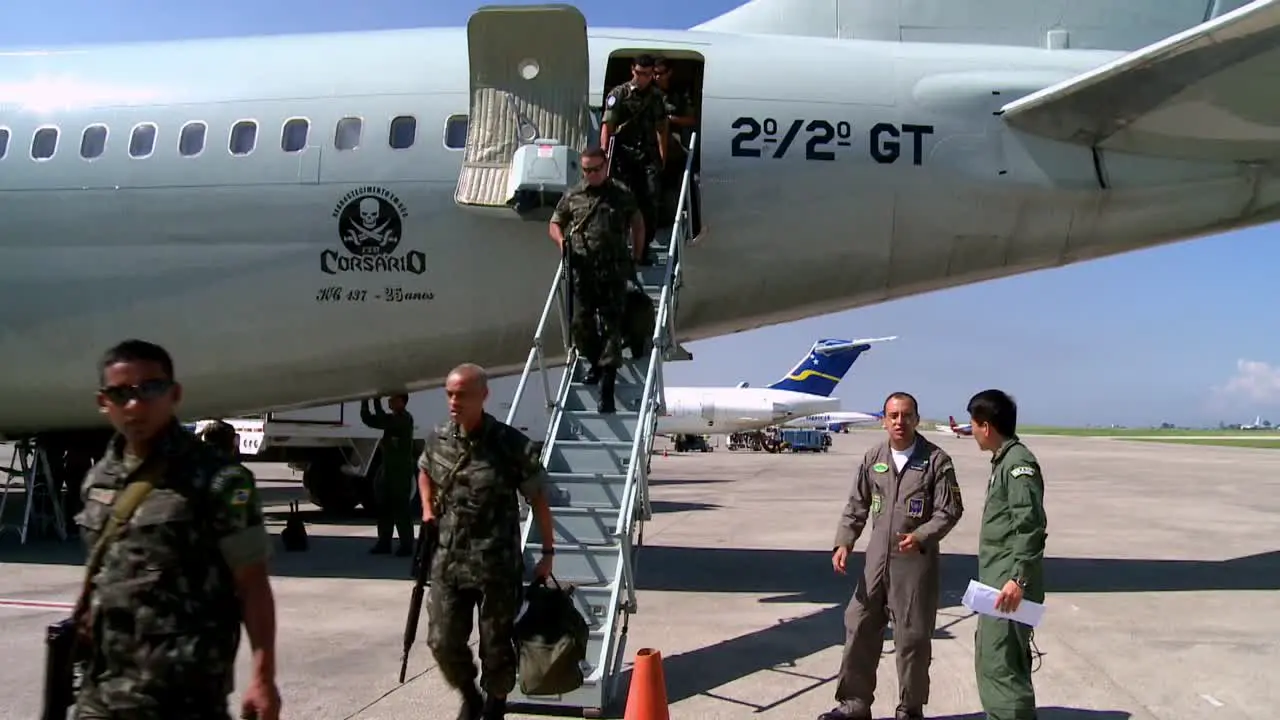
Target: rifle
424	553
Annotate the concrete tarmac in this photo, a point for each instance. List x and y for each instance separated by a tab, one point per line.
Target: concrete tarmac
1162	570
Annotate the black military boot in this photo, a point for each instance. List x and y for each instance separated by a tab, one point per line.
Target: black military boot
593	376
473	704
905	713
495	708
607	381
847	710
404	549
382	547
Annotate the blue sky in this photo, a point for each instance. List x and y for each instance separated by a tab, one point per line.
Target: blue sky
1185	333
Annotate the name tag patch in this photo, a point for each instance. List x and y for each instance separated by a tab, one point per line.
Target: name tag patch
918	465
1022	470
915	507
106	496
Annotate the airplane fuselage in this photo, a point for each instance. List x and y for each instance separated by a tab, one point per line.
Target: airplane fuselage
712	411
235	262
824	421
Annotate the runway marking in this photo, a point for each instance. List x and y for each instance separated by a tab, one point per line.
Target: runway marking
1212	700
36	604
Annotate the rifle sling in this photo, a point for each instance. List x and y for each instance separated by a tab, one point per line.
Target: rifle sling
121	511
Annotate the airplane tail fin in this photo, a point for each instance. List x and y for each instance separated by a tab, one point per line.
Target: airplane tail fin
952	418
1095	25
825	366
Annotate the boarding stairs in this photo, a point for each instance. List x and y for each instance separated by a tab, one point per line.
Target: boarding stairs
598	466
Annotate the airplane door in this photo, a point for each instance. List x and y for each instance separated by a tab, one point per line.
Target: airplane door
530	75
709	409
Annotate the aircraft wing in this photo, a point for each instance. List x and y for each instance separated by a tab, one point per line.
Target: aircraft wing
1206	93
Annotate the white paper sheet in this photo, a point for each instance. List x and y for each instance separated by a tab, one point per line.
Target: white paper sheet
981	598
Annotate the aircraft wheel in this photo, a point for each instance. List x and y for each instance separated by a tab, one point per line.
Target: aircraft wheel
327	486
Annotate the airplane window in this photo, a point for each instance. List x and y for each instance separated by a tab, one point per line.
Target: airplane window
455	132
4	142
143	141
191	141
347	136
244	136
93	142
404	130
294	137
44	143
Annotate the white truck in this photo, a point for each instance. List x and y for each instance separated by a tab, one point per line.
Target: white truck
337	453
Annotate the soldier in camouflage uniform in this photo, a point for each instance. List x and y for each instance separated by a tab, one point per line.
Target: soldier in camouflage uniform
595	215
471	472
636	117
1011	542
682	115
395	484
186	570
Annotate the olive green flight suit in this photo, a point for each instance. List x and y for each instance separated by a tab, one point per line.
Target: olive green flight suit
394	487
923	499
1010	547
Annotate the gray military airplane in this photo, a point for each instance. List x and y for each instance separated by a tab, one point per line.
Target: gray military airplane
314	218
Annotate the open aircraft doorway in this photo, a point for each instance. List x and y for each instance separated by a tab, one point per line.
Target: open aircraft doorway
687	76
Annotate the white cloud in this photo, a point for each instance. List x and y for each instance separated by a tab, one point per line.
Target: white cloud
1254	381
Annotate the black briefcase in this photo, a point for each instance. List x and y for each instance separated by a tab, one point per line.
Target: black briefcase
59	669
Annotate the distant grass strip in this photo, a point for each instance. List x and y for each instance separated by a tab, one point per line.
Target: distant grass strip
1140	432
1262	442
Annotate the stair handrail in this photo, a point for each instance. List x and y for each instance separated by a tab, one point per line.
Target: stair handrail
535	352
661	341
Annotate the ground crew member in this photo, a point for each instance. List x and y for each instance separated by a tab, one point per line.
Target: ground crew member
682	116
595	215
180	577
908	487
635	116
392	489
1010	557
471	471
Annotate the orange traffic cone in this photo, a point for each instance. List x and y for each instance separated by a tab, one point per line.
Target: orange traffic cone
647	697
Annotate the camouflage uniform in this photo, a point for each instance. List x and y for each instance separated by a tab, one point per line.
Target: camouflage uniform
635	116
475	478
596	221
165	613
678	103
393	490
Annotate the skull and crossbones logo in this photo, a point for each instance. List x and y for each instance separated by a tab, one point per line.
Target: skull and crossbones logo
370	227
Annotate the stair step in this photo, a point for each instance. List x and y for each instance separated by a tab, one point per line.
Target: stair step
626	397
632	371
589	456
579	526
582	565
586	489
592	425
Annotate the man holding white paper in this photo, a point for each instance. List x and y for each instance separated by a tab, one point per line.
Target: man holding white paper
1010	557
907	487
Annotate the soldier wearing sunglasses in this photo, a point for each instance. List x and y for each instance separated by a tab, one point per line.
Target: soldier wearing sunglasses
183	569
595	216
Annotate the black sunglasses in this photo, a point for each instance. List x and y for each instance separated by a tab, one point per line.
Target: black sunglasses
143	392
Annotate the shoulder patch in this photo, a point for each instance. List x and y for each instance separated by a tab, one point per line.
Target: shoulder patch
1022	470
611	101
240	497
880	467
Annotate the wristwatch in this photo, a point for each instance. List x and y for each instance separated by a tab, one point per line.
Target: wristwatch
1020	582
